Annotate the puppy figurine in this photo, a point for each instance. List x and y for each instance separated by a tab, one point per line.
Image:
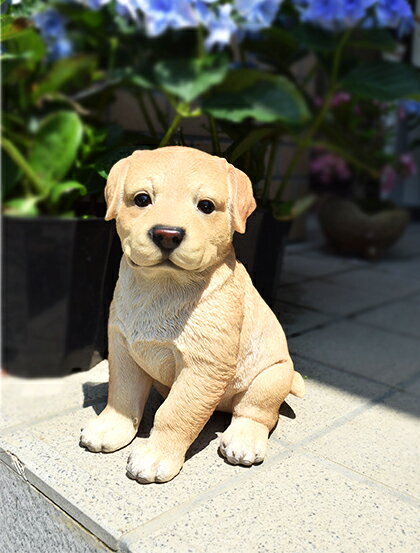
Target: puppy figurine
186	317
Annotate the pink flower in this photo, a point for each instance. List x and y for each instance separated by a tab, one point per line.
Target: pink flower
340	98
408	165
329	167
388	178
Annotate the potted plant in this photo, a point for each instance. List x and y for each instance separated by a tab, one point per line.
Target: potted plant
355	212
57	285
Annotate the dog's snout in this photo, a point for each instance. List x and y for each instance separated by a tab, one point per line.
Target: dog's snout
167	238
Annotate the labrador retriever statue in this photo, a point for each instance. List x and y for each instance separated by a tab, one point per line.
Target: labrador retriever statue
186	317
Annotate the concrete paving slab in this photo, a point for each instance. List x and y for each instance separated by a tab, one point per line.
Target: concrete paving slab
303	267
295	319
382	443
82	483
24	401
30	523
402	317
348	292
299	503
332	398
408	266
360	349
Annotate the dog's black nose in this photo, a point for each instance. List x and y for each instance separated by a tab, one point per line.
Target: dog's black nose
167	238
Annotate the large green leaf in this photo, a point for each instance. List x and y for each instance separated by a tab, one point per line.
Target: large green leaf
22	206
66	190
373	39
63	72
25	43
188	78
262	96
55	145
383	80
274	45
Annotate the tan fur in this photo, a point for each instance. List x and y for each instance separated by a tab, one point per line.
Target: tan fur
197	327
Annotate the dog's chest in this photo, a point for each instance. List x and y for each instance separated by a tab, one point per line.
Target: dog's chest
153	329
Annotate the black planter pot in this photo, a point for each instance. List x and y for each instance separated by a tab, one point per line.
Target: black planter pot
58	280
261	250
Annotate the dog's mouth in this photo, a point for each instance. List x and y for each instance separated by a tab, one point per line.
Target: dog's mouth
165	263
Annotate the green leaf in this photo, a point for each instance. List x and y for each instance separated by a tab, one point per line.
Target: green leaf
274	45
262	96
63	72
22	206
286	211
244	145
373	39
188	78
315	38
382	80
26	44
71	189
55	145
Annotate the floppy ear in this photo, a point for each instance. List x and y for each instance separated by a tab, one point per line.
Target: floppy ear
114	189
242	199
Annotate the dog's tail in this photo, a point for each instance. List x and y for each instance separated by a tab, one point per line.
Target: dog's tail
298	385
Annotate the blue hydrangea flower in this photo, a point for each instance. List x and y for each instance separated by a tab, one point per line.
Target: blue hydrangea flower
51	25
334	15
161	15
411	107
395	14
257	14
219	23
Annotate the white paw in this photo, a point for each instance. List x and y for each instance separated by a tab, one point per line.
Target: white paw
244	442
108	432
149	464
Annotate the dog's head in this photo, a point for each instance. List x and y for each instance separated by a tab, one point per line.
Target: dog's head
177	207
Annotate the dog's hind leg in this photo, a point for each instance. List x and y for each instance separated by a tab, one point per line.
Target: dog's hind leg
129	388
255	412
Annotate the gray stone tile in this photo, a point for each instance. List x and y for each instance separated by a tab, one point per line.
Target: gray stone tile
380	285
407	266
348	292
30	523
297	504
401	316
331	398
296	319
94	489
25	400
361	349
312	266
382	443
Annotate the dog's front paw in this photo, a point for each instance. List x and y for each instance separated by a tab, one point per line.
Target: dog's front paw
108	432
147	463
244	442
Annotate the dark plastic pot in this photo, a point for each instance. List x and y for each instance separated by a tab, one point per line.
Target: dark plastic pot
261	250
58	280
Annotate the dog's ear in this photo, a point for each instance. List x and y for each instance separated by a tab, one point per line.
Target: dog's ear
114	189
242	198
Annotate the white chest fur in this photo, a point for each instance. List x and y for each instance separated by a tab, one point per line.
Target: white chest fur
155	318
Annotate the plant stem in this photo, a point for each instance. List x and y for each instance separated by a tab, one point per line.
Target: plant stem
159	114
146	115
214	136
270	170
175	123
350	158
24	166
307	139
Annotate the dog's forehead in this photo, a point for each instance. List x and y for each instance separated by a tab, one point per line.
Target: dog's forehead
177	166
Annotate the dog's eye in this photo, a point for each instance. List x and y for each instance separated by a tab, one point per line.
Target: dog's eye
142	200
206	206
